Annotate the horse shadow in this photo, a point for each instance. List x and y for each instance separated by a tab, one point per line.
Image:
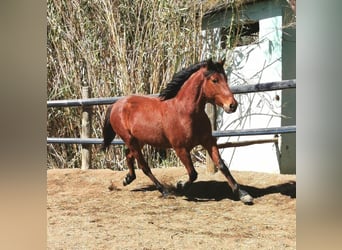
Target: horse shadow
202	191
216	190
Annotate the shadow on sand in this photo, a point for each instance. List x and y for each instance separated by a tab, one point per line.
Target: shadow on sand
219	190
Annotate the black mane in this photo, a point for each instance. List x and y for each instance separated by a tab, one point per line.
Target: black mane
180	77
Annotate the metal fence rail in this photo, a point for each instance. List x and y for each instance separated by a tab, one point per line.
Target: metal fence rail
257	131
87	102
240	89
240	132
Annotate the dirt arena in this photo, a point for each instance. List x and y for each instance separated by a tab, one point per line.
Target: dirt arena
83	214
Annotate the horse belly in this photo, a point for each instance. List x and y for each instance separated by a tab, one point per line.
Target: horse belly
188	132
150	132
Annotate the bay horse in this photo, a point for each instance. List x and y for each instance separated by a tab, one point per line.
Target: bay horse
175	119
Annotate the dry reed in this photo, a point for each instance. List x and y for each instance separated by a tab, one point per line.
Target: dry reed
117	48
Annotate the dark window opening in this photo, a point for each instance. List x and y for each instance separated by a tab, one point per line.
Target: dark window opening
240	34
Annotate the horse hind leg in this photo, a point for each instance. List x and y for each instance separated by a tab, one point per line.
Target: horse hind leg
136	152
147	171
131	172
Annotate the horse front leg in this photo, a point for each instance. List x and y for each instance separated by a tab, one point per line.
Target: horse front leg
185	157
215	156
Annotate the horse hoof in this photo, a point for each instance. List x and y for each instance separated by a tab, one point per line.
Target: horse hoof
180	186
166	194
128	179
245	197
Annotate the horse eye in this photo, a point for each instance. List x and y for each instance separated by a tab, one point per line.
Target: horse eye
215	80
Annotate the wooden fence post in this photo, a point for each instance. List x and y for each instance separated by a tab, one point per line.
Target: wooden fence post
211	112
86	129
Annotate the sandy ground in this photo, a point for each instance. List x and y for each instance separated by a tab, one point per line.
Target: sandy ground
83	214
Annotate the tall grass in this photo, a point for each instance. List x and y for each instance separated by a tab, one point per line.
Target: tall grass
117	48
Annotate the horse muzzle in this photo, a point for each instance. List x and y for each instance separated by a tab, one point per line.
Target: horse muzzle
230	108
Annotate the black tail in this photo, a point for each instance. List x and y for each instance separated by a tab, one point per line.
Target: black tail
107	130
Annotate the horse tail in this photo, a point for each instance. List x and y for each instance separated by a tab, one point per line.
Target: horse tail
107	130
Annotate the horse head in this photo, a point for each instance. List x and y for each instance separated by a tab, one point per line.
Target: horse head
215	87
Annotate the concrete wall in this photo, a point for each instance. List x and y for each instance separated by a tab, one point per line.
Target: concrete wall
271	59
253	64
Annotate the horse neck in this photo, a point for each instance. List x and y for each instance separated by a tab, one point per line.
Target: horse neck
190	96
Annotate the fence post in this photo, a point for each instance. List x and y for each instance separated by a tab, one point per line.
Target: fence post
85	133
212	114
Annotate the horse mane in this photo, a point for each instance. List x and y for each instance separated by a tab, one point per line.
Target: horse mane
179	78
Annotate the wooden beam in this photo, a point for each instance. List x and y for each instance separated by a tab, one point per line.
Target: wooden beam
246	143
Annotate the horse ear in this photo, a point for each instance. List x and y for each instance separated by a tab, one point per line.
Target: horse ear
222	61
210	64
